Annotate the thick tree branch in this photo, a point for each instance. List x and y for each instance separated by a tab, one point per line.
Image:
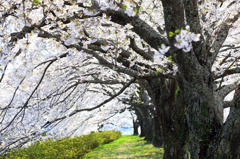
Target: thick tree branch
174	16
140	27
227	104
225	90
139	51
192	17
130	72
104	62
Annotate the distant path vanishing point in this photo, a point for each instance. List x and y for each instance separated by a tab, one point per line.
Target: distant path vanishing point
128	147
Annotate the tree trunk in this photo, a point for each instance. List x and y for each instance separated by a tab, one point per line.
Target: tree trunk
142	130
135	127
157	135
171	116
204	120
148	126
144	110
225	144
208	137
145	123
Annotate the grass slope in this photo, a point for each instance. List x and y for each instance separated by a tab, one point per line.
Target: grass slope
127	146
67	148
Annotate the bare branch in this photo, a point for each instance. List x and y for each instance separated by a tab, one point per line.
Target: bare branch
26	103
222	35
228	72
93	108
229	47
225	58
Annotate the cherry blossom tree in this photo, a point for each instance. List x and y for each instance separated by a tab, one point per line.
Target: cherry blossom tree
185	51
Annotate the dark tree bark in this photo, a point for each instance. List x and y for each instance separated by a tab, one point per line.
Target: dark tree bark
148	129
135	127
145	123
225	144
204	121
144	112
158	134
171	115
142	130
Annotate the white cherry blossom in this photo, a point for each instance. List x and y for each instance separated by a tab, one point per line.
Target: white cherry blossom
163	49
105	47
184	39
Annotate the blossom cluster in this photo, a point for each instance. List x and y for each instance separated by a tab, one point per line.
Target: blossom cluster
183	39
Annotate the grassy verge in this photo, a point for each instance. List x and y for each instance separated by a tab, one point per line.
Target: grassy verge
65	148
127	146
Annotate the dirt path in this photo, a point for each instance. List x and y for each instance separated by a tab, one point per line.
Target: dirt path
127	146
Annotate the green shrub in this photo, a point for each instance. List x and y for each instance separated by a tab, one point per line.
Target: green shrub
65	148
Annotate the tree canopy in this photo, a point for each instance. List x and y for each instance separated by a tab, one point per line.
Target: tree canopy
175	60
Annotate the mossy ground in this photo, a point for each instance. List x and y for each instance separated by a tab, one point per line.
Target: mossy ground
128	146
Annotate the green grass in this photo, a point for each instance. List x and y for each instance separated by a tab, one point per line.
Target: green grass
67	148
128	146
